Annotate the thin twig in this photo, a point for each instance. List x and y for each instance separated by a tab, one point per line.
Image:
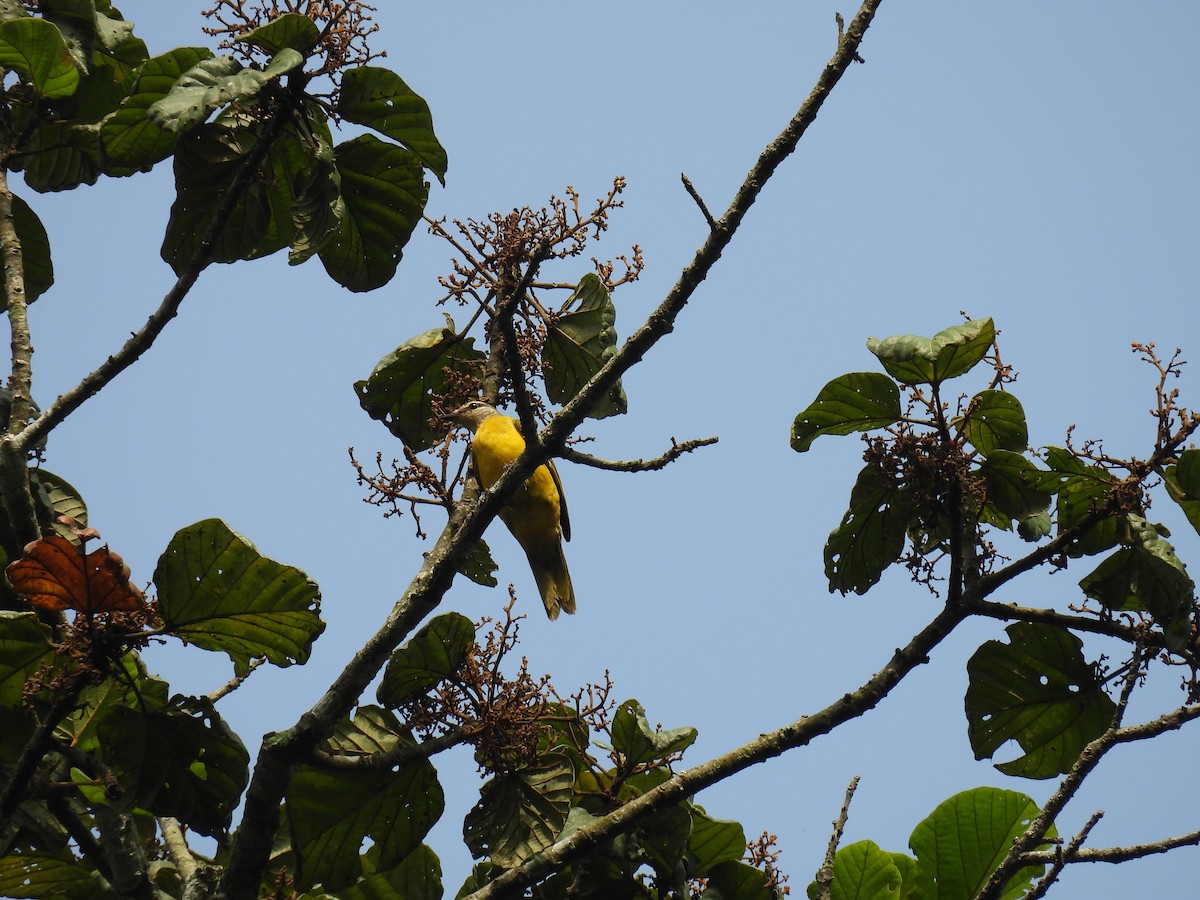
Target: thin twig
694	194
235	682
637	465
1044	884
824	877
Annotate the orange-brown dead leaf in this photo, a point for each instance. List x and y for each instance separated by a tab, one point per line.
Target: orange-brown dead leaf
54	574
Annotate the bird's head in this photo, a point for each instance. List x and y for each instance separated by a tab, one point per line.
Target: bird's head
471	413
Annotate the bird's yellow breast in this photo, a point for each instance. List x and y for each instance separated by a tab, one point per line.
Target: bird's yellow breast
497	443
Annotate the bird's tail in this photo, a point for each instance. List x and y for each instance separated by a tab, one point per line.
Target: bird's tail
554	583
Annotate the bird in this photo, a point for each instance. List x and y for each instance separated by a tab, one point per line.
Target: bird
537	513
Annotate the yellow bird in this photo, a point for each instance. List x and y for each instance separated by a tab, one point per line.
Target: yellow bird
537	513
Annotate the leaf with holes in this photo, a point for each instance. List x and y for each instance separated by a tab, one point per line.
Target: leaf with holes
379	98
871	536
180	760
403	385
1039	691
215	590
859	401
519	814
54	574
995	420
213	83
331	814
429	656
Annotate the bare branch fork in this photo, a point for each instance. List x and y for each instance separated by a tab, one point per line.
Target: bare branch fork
251	844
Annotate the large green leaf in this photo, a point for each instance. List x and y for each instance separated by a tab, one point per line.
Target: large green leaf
213	83
714	841
578	342
384	194
640	744
180	760
911	359
1007	475
128	138
962	842
215	590
418	877
379	98
1146	575
1039	691
331	814
291	30
995	421
871	536
40	875
24	648
36	50
859	401
401	388
57	498
521	813
428	657
1082	489
1183	485
864	872
736	880
59	156
35	253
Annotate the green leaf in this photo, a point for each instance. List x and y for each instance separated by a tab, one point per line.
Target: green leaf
331	814
57	498
962	842
640	744
372	730
1039	691
24	648
736	880
34	874
1081	489
35	253
59	157
213	83
1183	485
289	31
128	138
181	760
714	841
479	566
384	194
871	536
215	590
1007	475
97	701
579	341
1035	527
995	420
1146	575
918	360
428	657
379	98
36	50
521	813
418	877
318	208
859	401
864	872
401	388
76	22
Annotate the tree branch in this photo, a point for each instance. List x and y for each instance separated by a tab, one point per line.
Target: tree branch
824	878
762	748
1113	854
637	465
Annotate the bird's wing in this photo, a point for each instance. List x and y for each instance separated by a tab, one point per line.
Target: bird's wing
564	521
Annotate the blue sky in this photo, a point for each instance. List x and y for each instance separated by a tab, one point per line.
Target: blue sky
1029	162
